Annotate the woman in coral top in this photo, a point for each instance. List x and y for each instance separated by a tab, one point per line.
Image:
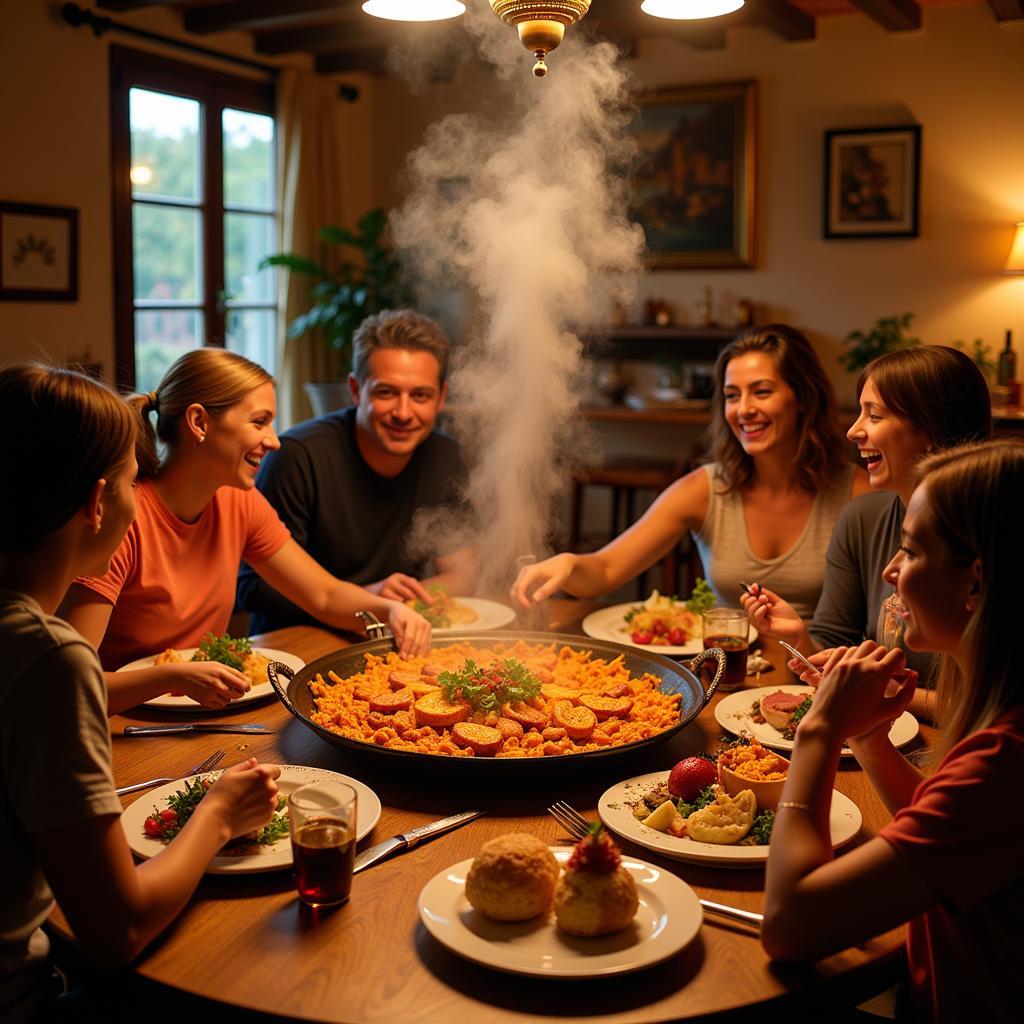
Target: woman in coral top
199	515
951	861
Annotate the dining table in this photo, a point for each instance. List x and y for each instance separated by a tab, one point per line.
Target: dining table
247	941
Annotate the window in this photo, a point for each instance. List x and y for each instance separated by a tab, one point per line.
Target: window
194	213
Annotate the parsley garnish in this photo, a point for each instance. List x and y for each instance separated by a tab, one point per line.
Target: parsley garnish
798	712
761	830
223	648
506	682
702	598
704	797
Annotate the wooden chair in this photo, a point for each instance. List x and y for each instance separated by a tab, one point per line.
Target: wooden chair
626	478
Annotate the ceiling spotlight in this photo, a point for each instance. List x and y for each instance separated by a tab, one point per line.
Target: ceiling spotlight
414	10
689	10
541	24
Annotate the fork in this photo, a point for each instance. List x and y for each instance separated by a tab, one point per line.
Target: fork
204	766
578	827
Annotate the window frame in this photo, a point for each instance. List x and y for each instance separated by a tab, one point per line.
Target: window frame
215	91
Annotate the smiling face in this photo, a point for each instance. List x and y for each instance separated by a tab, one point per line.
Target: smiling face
890	445
238	439
396	406
938	594
760	407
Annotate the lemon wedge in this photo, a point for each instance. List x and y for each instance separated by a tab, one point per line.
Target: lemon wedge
661	818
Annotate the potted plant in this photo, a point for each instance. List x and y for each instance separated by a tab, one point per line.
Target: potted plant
887	334
343	296
981	353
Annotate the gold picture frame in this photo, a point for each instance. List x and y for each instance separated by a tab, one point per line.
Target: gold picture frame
696	192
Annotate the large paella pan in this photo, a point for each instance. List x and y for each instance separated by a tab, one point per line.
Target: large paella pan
298	692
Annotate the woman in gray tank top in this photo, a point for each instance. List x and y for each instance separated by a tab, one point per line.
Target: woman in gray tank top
912	402
764	509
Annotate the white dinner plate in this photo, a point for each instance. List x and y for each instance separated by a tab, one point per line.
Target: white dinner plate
269	858
610	624
668	919
489	615
733	713
257	691
844	823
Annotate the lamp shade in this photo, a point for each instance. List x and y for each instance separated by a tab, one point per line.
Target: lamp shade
689	10
1015	261
415	10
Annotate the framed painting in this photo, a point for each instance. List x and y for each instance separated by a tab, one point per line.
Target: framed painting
38	253
695	190
871	182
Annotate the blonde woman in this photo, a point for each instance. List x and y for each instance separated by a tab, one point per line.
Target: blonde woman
59	814
199	515
951	861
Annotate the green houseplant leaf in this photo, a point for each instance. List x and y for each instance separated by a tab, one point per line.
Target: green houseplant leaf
352	289
887	334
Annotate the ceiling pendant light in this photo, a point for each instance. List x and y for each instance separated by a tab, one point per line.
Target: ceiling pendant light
689	10
415	10
541	24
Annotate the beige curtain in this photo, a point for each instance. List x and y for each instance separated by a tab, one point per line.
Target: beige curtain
310	196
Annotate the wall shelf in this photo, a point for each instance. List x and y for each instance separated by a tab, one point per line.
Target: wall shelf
688	344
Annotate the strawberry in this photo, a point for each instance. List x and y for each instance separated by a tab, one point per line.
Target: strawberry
690	776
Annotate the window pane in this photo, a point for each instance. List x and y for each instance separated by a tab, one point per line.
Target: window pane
251	333
248	237
165	149
161	335
166	252
248	159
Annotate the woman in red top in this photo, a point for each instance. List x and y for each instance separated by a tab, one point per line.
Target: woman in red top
951	861
172	580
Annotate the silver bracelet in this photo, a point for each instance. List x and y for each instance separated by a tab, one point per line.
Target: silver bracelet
795	804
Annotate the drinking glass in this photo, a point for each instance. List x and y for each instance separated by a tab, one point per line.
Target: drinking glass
728	629
323	826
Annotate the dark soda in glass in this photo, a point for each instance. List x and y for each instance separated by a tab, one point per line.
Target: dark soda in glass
735	649
324	851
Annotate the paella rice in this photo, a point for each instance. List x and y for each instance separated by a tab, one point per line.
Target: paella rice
585	703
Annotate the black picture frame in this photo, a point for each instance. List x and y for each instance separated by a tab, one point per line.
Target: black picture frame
695	192
38	253
872	182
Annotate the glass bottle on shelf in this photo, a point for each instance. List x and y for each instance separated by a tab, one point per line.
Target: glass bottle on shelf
1007	362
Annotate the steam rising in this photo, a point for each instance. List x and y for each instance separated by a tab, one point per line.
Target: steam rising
527	208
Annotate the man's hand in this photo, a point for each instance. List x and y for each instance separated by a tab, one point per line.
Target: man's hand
399	587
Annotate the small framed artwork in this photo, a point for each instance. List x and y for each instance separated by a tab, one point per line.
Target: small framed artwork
695	189
871	182
38	253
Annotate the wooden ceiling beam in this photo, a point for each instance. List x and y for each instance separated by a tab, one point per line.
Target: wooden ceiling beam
892	15
316	37
780	17
351	60
132	5
1007	10
249	15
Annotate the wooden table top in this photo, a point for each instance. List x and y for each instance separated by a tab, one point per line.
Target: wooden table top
248	941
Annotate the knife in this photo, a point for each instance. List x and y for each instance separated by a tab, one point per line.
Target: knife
409	839
167	730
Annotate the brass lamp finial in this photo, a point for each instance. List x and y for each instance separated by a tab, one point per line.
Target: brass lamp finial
541	23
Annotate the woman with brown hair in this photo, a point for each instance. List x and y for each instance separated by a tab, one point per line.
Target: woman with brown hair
951	861
764	509
59	814
912	402
172	580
